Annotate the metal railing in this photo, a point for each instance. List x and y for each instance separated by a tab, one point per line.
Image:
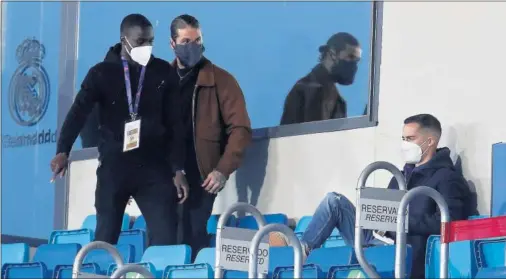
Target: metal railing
240	206
132	268
400	249
76	267
359	237
292	240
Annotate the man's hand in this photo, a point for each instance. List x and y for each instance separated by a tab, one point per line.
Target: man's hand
59	165
182	186
214	182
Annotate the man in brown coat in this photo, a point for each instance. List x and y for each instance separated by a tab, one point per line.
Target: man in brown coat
217	127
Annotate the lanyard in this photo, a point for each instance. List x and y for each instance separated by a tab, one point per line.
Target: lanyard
133	109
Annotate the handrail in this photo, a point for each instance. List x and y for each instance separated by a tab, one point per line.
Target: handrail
132	268
292	239
359	237
400	249
240	206
76	267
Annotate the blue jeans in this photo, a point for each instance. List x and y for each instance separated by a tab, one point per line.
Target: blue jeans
334	211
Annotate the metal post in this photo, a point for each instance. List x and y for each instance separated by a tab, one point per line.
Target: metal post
400	249
292	239
92	246
359	237
132	268
246	207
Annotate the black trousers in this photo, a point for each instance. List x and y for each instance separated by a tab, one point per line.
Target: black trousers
153	190
194	215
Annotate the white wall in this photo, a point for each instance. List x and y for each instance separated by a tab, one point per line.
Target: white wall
447	59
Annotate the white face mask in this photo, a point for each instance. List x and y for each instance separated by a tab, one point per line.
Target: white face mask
140	54
412	152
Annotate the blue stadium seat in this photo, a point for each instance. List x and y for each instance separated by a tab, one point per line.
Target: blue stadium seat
104	260
24	271
149	266
65	272
90	222
234	274
15	253
383	258
82	237
249	222
325	258
140	223
308	271
159	257
348	271
302	224
212	223
280	256
136	238
460	262
206	255
47	257
489	252
492	273
189	271
203	266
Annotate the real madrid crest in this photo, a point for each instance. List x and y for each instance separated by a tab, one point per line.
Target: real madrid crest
29	88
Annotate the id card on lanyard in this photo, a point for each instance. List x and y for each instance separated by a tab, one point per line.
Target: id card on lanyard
132	134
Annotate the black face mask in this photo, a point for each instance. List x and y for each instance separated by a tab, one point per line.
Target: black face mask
343	72
189	54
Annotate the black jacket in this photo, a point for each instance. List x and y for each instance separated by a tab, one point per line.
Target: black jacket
313	98
104	85
424	217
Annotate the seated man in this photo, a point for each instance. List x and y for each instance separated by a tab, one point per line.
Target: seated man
426	165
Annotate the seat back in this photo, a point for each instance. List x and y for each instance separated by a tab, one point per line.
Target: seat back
82	237
136	238
308	271
492	273
103	259
249	222
460	260
56	254
383	258
280	256
489	252
328	257
347	271
212	223
25	270
206	255
15	253
190	271
140	223
163	256
90	222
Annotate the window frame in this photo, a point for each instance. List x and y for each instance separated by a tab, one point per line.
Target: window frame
334	125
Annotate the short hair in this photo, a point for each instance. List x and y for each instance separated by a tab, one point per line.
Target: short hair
426	121
181	22
133	20
338	42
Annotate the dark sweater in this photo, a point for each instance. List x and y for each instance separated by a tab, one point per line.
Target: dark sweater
159	111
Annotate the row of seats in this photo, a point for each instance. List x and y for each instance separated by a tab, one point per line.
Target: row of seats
55	261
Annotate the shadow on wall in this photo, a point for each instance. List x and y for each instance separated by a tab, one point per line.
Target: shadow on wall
460	157
251	175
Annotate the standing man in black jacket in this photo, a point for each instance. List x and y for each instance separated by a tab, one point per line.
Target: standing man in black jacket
140	142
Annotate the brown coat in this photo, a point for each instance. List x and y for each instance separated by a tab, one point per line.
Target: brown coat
222	127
